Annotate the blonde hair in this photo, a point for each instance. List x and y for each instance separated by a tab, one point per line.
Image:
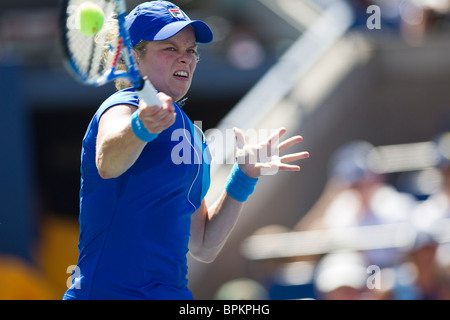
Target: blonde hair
110	32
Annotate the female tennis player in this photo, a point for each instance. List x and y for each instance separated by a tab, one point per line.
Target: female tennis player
141	212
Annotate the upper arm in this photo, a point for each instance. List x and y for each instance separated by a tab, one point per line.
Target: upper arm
114	120
116	147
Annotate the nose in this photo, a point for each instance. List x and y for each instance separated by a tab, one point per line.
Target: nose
187	58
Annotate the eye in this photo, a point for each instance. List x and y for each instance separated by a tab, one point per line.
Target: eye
172	49
192	51
195	53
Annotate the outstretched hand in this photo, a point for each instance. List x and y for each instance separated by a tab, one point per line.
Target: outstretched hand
264	158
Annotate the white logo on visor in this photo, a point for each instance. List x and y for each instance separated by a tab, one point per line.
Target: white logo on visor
177	13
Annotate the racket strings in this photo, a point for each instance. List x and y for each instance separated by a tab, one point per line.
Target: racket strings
92	55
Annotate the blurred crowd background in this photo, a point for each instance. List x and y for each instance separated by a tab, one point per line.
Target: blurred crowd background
366	83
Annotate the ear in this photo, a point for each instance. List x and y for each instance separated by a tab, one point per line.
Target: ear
136	56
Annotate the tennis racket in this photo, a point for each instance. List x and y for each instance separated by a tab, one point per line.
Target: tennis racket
95	59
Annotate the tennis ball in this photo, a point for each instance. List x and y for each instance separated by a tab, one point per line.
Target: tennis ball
91	18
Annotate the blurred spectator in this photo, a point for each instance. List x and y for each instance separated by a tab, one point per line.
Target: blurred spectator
424	274
342	276
45	277
443	260
241	289
266	270
245	51
19	280
420	276
355	195
421	17
428	214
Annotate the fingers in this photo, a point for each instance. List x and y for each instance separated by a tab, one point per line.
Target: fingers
157	119
288	167
294	157
162	124
289	143
272	141
275	136
273	168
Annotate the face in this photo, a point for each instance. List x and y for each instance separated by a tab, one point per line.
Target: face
170	64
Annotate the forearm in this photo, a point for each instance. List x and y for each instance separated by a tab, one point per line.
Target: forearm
212	227
222	218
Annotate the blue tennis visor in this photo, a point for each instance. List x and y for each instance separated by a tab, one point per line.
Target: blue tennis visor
161	20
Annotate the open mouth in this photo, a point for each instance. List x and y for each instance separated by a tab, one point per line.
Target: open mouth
181	74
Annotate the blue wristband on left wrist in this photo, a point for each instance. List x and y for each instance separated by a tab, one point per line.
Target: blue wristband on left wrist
240	186
140	130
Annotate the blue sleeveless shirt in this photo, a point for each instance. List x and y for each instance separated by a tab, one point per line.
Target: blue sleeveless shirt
134	229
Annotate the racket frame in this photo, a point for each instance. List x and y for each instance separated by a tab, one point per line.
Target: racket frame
141	85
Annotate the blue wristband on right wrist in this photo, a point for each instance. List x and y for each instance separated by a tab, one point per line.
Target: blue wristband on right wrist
140	130
239	186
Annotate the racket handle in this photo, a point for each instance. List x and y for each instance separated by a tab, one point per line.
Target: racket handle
148	93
